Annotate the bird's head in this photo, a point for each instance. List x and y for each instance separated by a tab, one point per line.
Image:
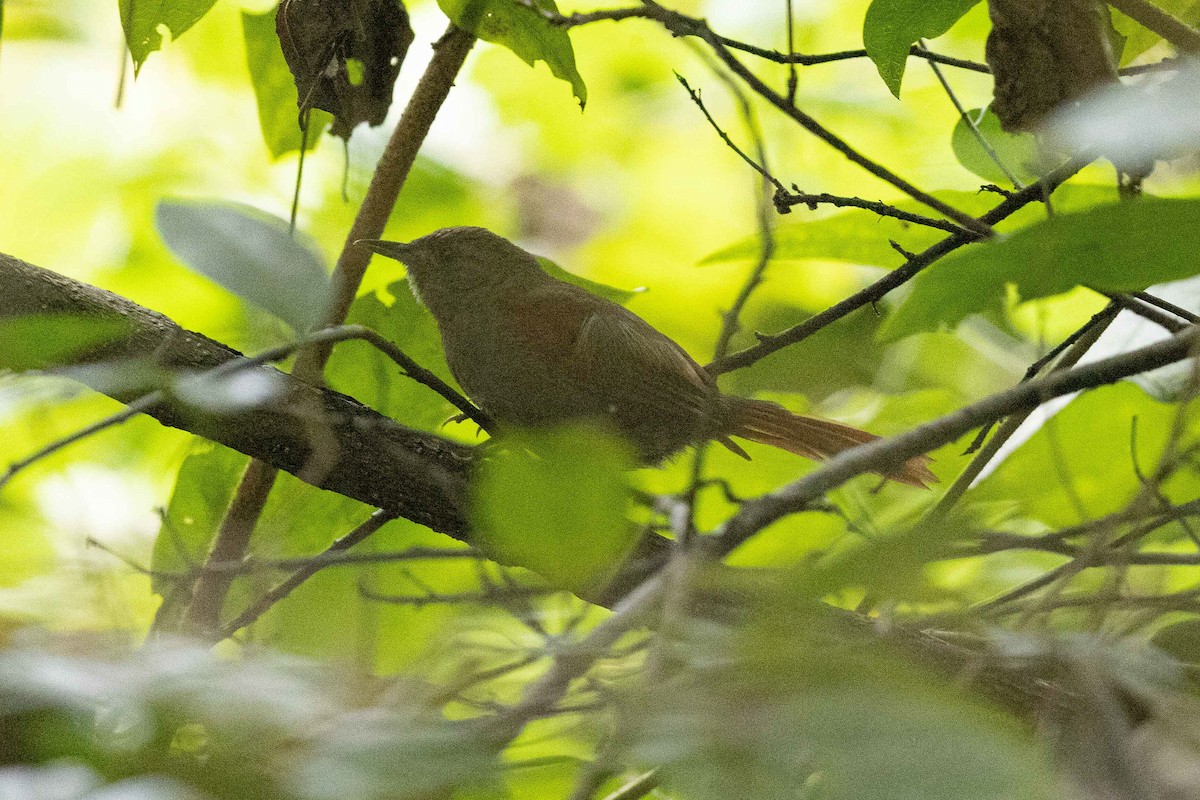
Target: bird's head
452	266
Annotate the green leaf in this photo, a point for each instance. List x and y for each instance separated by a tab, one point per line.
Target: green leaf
1018	152
1182	640
250	253
141	19
275	90
554	501
893	26
50	340
1053	475
1117	248
858	236
612	293
1139	39
760	716
204	488
523	31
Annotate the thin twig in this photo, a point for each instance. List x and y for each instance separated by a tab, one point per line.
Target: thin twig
876	291
373	523
1080	342
489	594
761	169
1146	311
637	788
1166	305
798	198
793	82
973	127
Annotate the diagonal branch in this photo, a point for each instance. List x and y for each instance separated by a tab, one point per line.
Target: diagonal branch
884	454
897	277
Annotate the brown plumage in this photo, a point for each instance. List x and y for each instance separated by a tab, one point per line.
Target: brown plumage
530	350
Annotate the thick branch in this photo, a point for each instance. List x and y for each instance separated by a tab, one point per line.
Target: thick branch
380	462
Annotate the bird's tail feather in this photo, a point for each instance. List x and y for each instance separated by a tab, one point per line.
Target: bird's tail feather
769	423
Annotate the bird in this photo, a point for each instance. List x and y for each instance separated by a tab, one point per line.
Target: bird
532	350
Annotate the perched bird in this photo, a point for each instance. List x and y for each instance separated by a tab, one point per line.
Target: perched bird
531	350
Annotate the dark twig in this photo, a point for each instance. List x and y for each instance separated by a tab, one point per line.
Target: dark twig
793	82
897	277
487	595
759	168
327	336
373	523
797	198
1185	37
1165	305
973	127
791	57
1146	311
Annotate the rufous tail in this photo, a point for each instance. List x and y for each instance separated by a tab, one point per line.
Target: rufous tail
770	423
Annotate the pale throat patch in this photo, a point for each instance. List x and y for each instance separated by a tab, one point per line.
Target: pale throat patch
412	285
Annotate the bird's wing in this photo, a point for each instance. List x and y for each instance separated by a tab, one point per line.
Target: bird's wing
613	351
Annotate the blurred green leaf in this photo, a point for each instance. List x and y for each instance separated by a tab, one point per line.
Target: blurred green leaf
1018	152
250	253
275	90
1139	39
555	502
40	22
612	293
1053	476
203	490
27	550
858	236
117	715
140	19
891	27
837	357
50	340
795	709
522	30
1118	248
1181	640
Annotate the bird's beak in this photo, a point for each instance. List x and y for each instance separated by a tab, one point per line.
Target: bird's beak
396	250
